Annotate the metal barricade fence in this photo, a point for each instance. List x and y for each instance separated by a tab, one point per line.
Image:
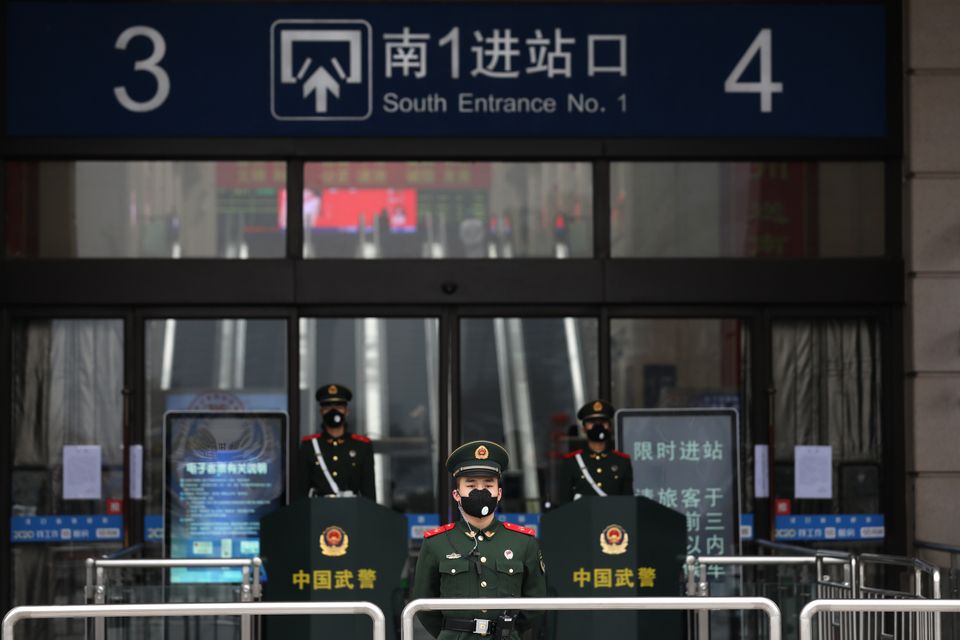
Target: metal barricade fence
589	604
898	578
834	575
248	609
95	591
839	576
922	610
947	559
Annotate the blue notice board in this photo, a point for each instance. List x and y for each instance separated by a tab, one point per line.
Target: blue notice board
96	528
612	70
846	527
420	523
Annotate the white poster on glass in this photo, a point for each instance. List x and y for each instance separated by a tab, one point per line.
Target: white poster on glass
82	473
761	470
813	472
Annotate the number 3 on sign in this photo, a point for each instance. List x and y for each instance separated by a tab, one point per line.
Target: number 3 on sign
148	64
766	87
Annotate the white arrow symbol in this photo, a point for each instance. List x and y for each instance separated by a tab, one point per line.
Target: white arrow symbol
291	37
320	82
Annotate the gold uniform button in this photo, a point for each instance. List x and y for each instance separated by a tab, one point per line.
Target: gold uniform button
599	470
453	570
483	559
334	473
335	458
483	584
480	538
509	570
599	484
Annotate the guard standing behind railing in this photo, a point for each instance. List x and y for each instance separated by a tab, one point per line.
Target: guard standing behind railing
600	470
478	556
336	462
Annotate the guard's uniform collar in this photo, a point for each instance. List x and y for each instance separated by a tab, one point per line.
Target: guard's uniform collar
598	455
335	442
489	532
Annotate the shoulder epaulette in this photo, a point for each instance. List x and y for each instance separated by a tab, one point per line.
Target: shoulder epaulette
312	436
519	529
439	529
572	453
357	436
621	454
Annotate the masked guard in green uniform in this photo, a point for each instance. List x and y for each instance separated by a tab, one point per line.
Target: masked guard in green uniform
599	470
478	556
336	462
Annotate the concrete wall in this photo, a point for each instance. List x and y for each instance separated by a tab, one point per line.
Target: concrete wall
932	248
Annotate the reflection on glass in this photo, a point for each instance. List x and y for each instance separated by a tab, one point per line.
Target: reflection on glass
522	381
447	210
827	377
391	365
67	382
144	209
684	363
230	364
747	209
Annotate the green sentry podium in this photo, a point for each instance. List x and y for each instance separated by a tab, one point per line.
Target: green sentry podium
332	549
619	546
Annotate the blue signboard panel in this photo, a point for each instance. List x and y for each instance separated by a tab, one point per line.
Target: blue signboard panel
529	520
224	471
153	528
830	527
420	523
26	529
446	69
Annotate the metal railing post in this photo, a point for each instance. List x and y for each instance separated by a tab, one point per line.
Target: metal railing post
592	604
193	610
250	589
246	595
99	597
703	616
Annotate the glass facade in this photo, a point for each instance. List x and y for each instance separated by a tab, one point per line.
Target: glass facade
448	210
392	367
522	381
827	378
461	361
747	209
94	209
232	364
67	415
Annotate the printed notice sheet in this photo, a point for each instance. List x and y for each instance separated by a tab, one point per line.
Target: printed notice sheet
81	472
813	472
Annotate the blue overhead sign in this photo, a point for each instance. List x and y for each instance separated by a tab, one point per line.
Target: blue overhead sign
446	69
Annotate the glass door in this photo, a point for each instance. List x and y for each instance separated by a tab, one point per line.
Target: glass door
828	434
521	381
67	475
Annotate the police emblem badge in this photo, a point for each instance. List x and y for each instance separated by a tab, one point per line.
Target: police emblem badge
334	541
332	389
481	453
598	406
614	540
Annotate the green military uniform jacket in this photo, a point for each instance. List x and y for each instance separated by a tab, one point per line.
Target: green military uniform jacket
507	564
610	469
349	460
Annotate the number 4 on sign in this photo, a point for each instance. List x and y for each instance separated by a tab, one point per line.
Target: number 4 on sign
766	87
